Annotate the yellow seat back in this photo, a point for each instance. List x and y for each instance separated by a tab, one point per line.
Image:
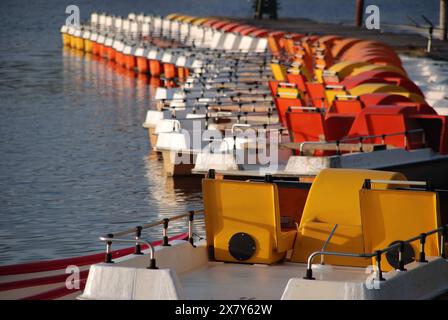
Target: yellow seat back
172	16
334	199
371	67
391	215
251	208
345	68
288	92
330	95
279	72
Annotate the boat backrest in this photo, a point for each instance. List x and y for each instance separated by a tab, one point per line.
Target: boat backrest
334	199
337	126
394	126
217	40
305	126
334	195
246	43
285	97
298	79
231	42
393	215
278	71
316	93
242	207
261	44
350	106
436	131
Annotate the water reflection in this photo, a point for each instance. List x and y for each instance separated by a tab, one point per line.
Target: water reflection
76	163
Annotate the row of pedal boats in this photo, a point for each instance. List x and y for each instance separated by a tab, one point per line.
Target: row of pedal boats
354	97
329	228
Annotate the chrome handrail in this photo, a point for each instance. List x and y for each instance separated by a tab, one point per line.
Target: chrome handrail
152	264
240	125
396	182
304	108
326	242
362	138
443	230
112	237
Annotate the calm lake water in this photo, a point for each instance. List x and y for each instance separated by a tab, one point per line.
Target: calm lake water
74	160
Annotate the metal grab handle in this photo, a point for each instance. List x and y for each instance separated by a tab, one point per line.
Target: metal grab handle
305	108
223	114
399	182
287	84
302	144
173	108
326	243
334	86
296	64
152	261
309	265
443	230
346	96
240	125
383	136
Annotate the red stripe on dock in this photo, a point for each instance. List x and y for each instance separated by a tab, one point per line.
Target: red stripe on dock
51	265
39	281
56	293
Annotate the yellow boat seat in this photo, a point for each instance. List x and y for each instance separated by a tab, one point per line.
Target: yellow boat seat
278	71
243	222
288	92
200	21
189	19
345	68
368	88
330	95
172	16
392	215
334	199
371	67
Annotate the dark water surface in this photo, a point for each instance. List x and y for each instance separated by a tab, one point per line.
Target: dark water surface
74	160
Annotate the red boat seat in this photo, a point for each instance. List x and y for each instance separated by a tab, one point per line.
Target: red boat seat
313	126
436	131
349	106
289	41
306	126
245	31
274	42
259	33
376	99
422	108
299	80
286	95
316	94
387	120
385	124
337	126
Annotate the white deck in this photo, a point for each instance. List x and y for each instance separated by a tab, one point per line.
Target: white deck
230	281
186	273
